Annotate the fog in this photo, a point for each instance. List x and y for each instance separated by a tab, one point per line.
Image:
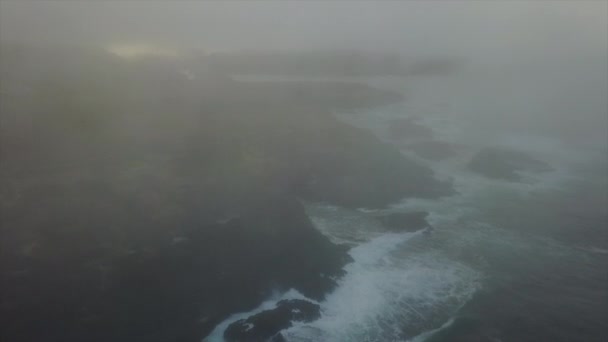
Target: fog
485	30
554	44
303	171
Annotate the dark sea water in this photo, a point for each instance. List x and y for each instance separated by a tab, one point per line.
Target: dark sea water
547	279
505	261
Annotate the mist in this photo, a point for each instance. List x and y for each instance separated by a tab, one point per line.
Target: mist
303	170
468	28
563	44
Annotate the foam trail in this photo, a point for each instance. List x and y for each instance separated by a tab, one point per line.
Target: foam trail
425	335
384	296
217	335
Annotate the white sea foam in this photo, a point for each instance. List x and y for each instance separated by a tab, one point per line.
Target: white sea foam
425	335
387	296
342	225
217	335
407	286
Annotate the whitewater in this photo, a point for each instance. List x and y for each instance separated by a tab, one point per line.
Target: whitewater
485	239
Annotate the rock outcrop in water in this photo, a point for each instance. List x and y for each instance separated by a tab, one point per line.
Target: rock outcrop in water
352	168
267	324
154	216
405	222
505	164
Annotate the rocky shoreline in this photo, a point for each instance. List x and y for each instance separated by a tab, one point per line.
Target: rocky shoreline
154	227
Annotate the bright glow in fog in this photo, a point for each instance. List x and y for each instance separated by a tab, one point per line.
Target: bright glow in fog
167	165
133	51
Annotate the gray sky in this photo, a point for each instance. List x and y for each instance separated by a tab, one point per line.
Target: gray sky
543	58
491	28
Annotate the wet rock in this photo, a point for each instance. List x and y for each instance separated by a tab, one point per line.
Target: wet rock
501	163
353	168
278	338
116	224
189	278
405	222
269	323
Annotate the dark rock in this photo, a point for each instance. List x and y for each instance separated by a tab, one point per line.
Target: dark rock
75	287
432	150
278	338
405	222
269	323
501	163
352	168
408	128
128	224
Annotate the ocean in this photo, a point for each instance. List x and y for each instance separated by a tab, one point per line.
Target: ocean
504	260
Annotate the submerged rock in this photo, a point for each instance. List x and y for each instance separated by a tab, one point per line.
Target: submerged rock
501	163
405	222
267	324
